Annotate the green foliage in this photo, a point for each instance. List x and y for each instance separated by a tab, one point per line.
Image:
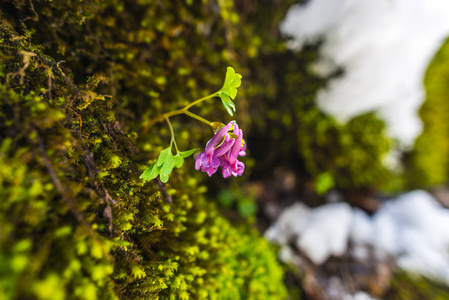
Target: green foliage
165	164
428	162
242	202
323	183
187	153
178	160
229	90
151	172
76	221
291	131
352	152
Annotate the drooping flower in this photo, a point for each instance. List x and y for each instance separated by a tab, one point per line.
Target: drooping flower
207	161
223	150
229	162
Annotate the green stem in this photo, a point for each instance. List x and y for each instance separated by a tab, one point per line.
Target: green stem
160	118
183	110
172	135
192	115
200	100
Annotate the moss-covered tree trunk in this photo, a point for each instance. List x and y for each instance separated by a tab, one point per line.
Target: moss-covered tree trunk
78	82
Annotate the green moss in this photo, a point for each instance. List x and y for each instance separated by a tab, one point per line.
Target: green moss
415	287
299	135
428	162
76	221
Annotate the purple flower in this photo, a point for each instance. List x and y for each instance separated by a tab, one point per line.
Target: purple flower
230	164
223	150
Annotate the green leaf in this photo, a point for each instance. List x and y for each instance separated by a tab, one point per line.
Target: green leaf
231	83
163	177
227	103
224	97
163	156
146	174
155	172
230	73
227	108
168	164
178	160
167	167
151	172
187	153
229	90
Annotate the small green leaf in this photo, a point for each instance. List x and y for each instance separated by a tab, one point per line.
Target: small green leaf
227	108
163	156
155	172
169	164
167	167
230	73
163	177
178	160
224	97
229	90
151	172
231	83
187	153
227	103
146	174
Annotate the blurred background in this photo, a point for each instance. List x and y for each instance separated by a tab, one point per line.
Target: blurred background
344	109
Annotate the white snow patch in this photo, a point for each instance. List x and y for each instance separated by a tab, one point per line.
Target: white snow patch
362	229
326	232
359	296
384	47
385	236
319	232
413	228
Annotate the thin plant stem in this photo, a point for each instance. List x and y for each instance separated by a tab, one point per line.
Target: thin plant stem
172	135
160	118
200	100
192	115
184	111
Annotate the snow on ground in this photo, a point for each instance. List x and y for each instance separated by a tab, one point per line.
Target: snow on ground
413	228
384	47
326	226
359	296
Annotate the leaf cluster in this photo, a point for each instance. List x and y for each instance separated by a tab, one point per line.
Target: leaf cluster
229	90
165	164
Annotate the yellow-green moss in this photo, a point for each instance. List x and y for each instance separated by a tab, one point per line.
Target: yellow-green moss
428	162
295	133
415	287
76	222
